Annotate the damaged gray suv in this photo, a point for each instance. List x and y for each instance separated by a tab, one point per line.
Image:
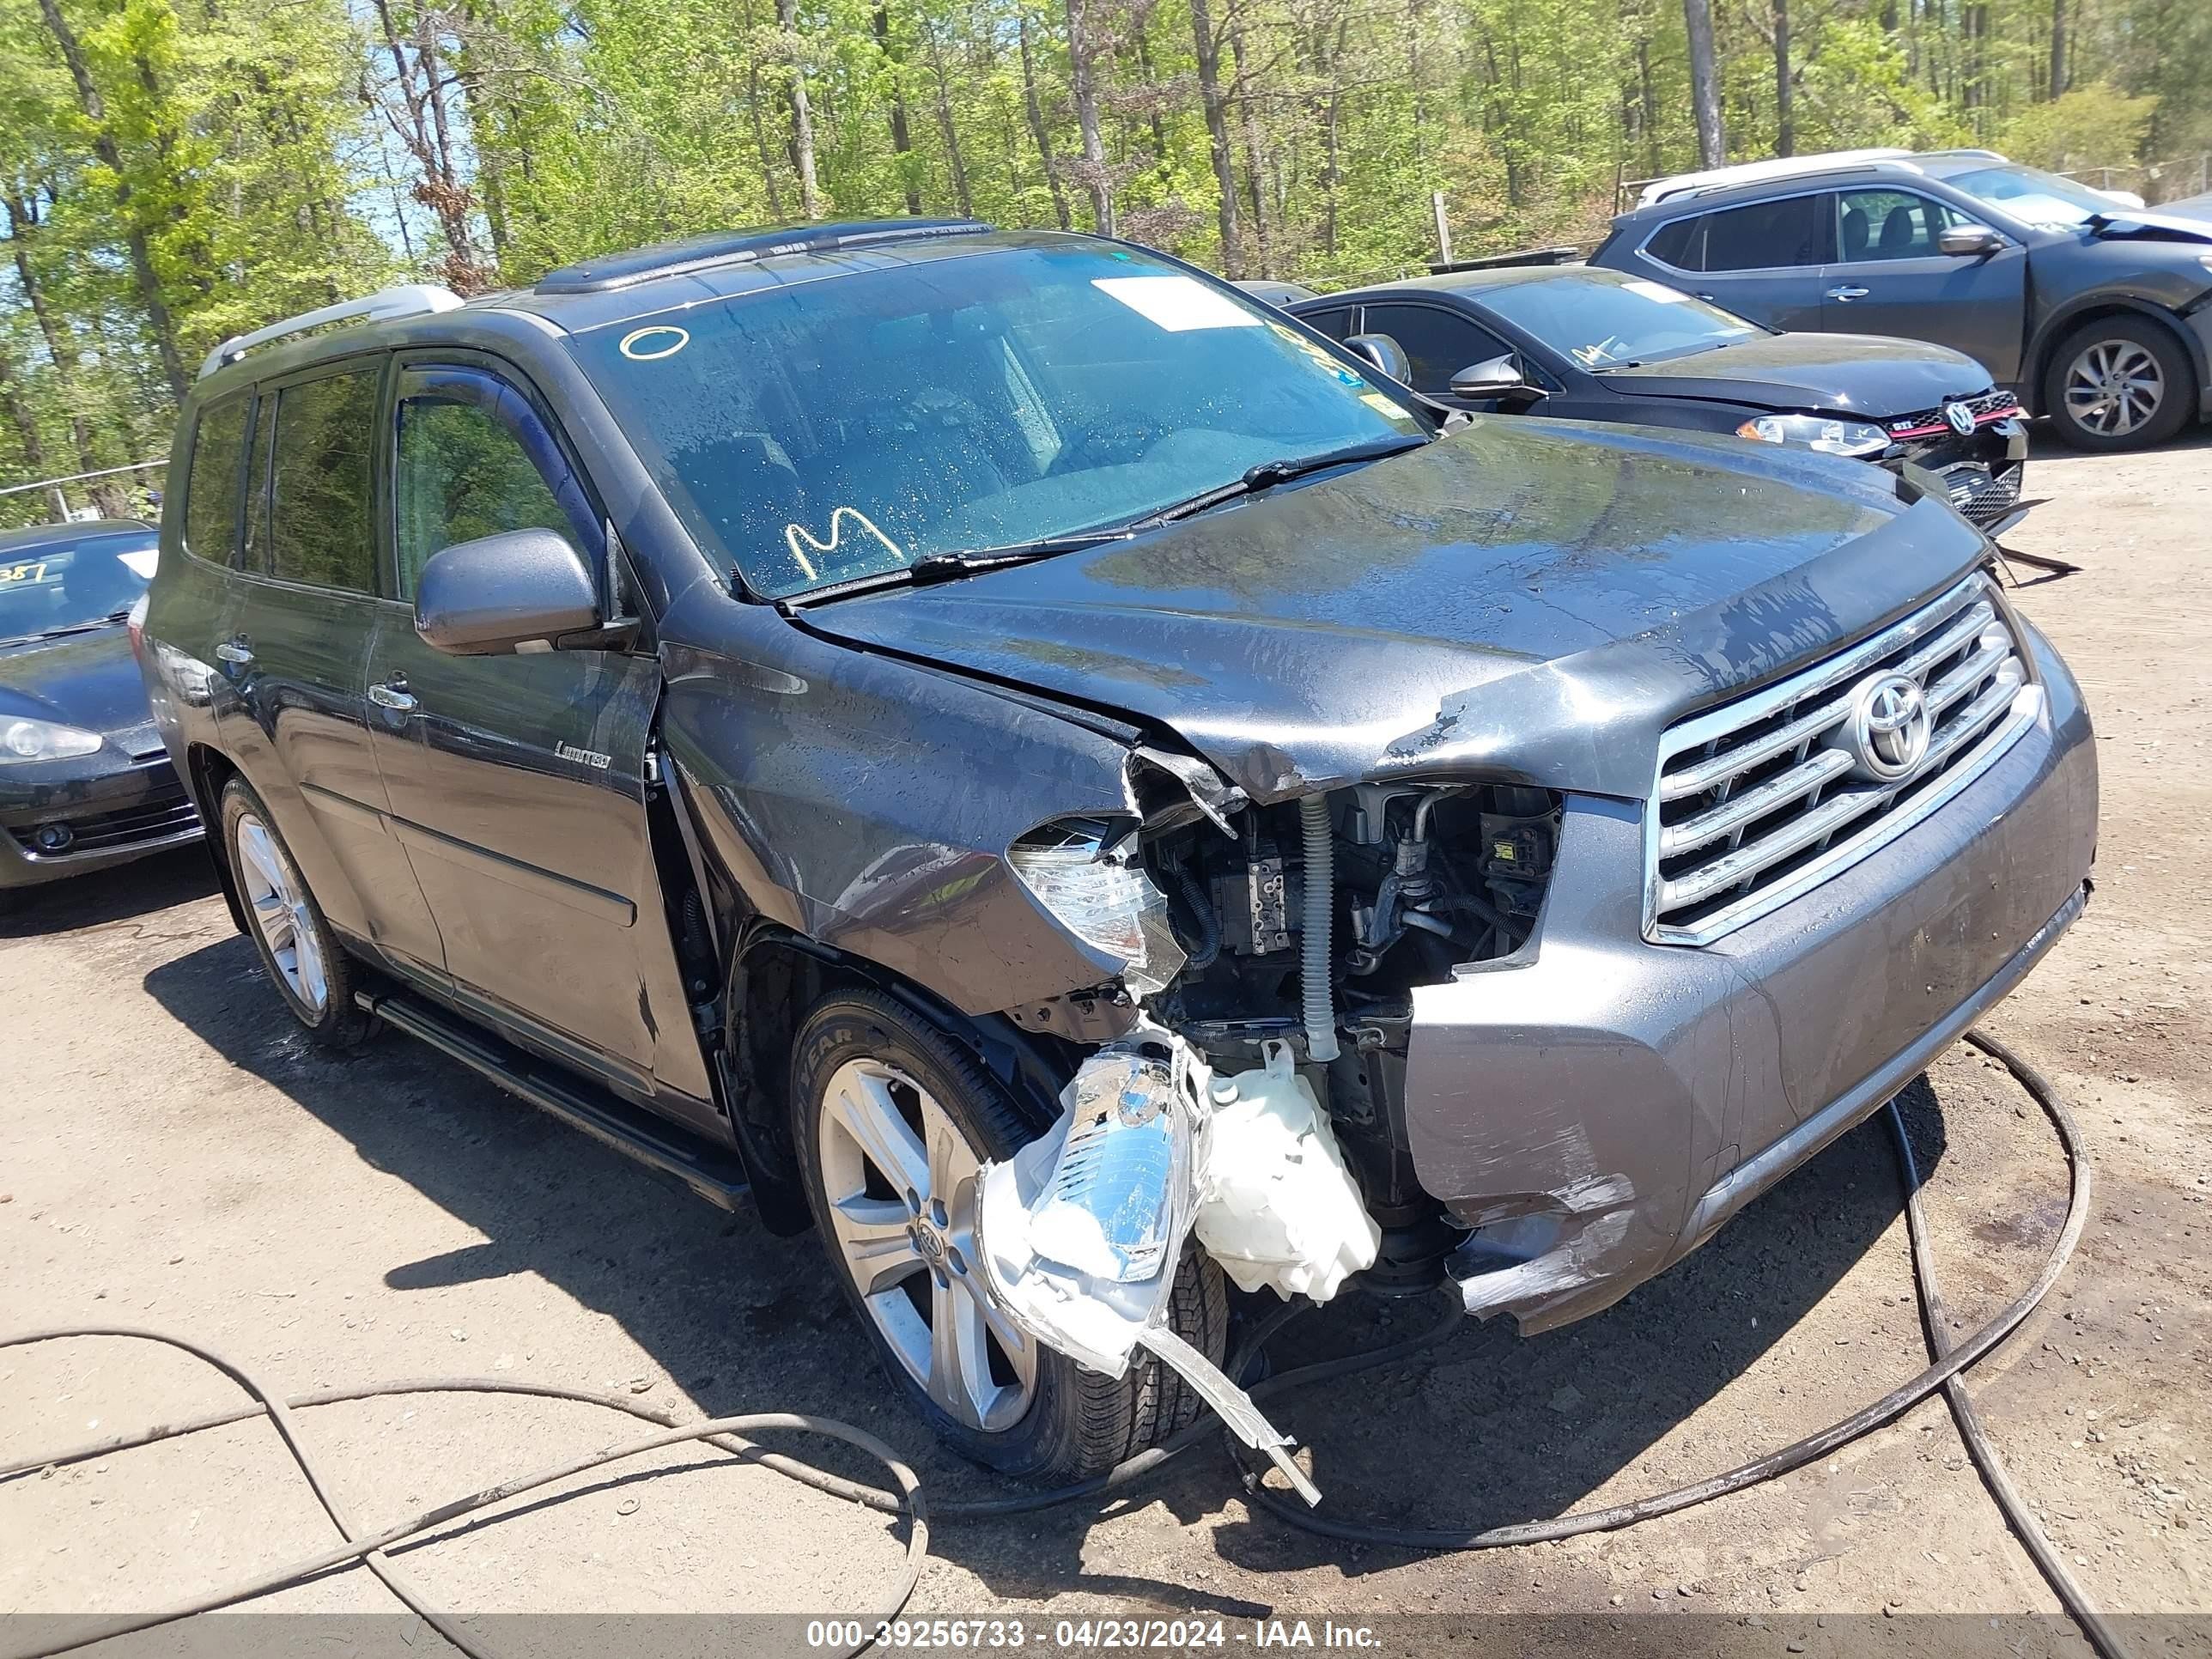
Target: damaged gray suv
1005	750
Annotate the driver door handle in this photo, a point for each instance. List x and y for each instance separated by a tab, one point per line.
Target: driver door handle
391	694
1845	291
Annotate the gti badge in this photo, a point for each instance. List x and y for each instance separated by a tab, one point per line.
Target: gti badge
1961	419
1889	727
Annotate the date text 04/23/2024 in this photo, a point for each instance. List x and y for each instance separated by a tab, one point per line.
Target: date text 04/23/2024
1083	1635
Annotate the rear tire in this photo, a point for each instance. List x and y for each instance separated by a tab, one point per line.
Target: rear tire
2117	383
887	1110
301	955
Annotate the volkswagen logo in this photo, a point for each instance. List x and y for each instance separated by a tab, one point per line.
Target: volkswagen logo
1888	730
1961	419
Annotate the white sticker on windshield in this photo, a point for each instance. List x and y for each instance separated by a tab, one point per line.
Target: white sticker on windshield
1178	304
1659	291
140	563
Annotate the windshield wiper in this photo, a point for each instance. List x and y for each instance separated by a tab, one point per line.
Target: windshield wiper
1266	474
950	566
64	629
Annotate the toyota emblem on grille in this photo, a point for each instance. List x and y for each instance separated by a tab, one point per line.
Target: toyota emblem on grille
1960	417
1888	731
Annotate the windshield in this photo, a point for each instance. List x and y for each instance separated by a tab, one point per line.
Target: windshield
1605	320
846	426
2032	196
71	582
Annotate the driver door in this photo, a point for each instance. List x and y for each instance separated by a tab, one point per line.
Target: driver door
518	783
1891	278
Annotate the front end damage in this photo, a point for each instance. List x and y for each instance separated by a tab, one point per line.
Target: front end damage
1406	1031
1245	1087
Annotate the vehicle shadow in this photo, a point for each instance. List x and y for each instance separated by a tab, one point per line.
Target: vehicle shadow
152	884
1487	1429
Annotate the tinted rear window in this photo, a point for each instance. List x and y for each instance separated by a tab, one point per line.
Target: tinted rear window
211	487
321	516
1767	235
1677	245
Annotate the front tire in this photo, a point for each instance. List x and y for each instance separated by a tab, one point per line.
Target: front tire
301	955
892	1120
2117	383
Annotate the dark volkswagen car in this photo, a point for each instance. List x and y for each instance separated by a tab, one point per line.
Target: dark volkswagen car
1587	344
85	783
818	709
2096	314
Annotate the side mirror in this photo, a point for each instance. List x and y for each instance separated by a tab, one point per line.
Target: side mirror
1968	242
1385	354
1496	378
518	591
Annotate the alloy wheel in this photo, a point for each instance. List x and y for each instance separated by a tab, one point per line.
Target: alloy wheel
900	1180
279	905
2113	387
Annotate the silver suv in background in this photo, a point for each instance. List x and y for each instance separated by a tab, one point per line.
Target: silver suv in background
2093	313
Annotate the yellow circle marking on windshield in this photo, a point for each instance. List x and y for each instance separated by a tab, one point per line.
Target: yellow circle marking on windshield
635	348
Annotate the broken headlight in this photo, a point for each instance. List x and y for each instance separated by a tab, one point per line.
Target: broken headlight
1086	874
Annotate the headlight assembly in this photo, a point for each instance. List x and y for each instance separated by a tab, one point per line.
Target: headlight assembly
43	740
1854	438
1086	875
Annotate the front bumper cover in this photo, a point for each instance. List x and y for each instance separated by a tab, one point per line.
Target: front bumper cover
1598	1109
115	805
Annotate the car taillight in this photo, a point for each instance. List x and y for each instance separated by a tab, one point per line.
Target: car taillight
135	622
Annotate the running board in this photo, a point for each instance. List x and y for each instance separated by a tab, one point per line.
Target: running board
716	1174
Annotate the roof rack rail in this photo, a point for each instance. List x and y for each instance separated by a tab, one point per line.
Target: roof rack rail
1533	256
723	248
408	300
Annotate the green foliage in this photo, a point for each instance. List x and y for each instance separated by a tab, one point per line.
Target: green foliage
241	160
2088	126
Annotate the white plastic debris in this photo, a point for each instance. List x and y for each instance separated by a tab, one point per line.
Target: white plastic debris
1276	1204
1081	1231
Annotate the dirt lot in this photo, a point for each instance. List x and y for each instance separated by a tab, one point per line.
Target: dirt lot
171	1154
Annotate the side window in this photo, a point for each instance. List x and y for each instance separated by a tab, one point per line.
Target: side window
254	554
1336	322
1765	235
1439	343
1679	244
321	527
1889	224
474	460
211	486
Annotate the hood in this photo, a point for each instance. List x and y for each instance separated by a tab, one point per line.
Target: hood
2154	225
1531	598
1861	374
90	680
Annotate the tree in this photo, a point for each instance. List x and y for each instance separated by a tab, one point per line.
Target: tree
1704	83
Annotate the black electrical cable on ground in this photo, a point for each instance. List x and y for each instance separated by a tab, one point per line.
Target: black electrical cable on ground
722	1432
1935	1317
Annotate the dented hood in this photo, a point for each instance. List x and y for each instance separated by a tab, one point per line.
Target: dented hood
1535	599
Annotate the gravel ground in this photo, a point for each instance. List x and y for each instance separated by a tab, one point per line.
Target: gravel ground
171	1155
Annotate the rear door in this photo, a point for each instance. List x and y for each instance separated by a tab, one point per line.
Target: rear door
295	653
1890	278
1764	260
519	783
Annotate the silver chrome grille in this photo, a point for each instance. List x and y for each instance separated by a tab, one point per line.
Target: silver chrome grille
1764	797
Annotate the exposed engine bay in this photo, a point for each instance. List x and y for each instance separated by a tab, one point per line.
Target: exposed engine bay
1244	1081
